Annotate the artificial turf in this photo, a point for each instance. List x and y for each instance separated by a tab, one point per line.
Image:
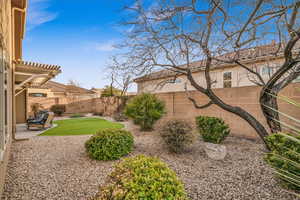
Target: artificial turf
80	126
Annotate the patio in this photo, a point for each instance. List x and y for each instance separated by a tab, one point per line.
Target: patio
23	133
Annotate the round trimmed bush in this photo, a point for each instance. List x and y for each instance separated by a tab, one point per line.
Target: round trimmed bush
142	177
212	129
145	109
109	144
58	109
177	135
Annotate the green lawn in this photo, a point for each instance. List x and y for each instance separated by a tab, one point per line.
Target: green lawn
80	126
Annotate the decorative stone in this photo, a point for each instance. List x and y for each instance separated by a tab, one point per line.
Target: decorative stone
215	151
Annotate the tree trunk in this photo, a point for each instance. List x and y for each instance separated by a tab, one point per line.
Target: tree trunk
254	123
268	99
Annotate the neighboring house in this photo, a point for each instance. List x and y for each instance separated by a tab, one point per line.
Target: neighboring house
57	93
223	75
97	91
53	89
15	75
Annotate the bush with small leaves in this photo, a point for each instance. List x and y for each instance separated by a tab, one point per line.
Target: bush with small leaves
58	109
142	177
109	144
212	129
145	110
177	135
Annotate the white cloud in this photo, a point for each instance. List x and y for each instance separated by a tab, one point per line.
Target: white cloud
106	46
38	13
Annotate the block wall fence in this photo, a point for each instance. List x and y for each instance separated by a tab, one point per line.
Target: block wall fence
179	107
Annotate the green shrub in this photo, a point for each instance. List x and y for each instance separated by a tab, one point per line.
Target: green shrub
145	110
142	177
212	129
177	135
285	158
58	109
77	115
109	144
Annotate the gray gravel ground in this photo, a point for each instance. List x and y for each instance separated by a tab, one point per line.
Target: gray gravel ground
51	168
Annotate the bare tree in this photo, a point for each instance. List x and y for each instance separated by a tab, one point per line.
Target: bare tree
119	75
73	82
190	35
120	79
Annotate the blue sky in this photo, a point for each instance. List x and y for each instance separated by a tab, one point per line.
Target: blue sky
78	35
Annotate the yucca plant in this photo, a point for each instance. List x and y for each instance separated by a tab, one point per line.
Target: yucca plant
285	148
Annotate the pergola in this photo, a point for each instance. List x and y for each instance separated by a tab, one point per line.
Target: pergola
28	74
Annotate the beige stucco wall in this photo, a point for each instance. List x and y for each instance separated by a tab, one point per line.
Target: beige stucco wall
239	79
6	54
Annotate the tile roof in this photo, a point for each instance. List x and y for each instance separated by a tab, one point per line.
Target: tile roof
59	87
247	55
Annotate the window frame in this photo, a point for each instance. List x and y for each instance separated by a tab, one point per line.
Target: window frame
37	94
225	80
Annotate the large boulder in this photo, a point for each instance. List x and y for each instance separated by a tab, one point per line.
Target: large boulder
215	151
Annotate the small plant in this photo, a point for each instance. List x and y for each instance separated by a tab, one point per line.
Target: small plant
142	177
145	110
77	115
109	144
285	158
177	135
212	129
58	109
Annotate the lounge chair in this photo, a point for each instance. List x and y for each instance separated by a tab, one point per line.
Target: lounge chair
43	120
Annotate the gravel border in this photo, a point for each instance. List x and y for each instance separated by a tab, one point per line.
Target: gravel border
57	167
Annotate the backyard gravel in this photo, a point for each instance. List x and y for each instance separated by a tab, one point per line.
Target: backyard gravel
51	168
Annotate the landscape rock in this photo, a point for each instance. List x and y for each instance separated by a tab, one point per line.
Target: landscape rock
215	151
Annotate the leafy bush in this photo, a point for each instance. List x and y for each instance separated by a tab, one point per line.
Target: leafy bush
77	115
142	177
177	135
145	110
58	109
285	158
109	144
212	129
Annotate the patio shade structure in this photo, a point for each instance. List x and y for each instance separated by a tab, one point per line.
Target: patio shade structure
28	74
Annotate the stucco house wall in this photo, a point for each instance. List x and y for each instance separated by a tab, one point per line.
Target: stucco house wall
6	85
239	78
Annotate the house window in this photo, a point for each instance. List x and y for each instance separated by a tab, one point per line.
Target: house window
227	80
267	70
177	80
38	95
